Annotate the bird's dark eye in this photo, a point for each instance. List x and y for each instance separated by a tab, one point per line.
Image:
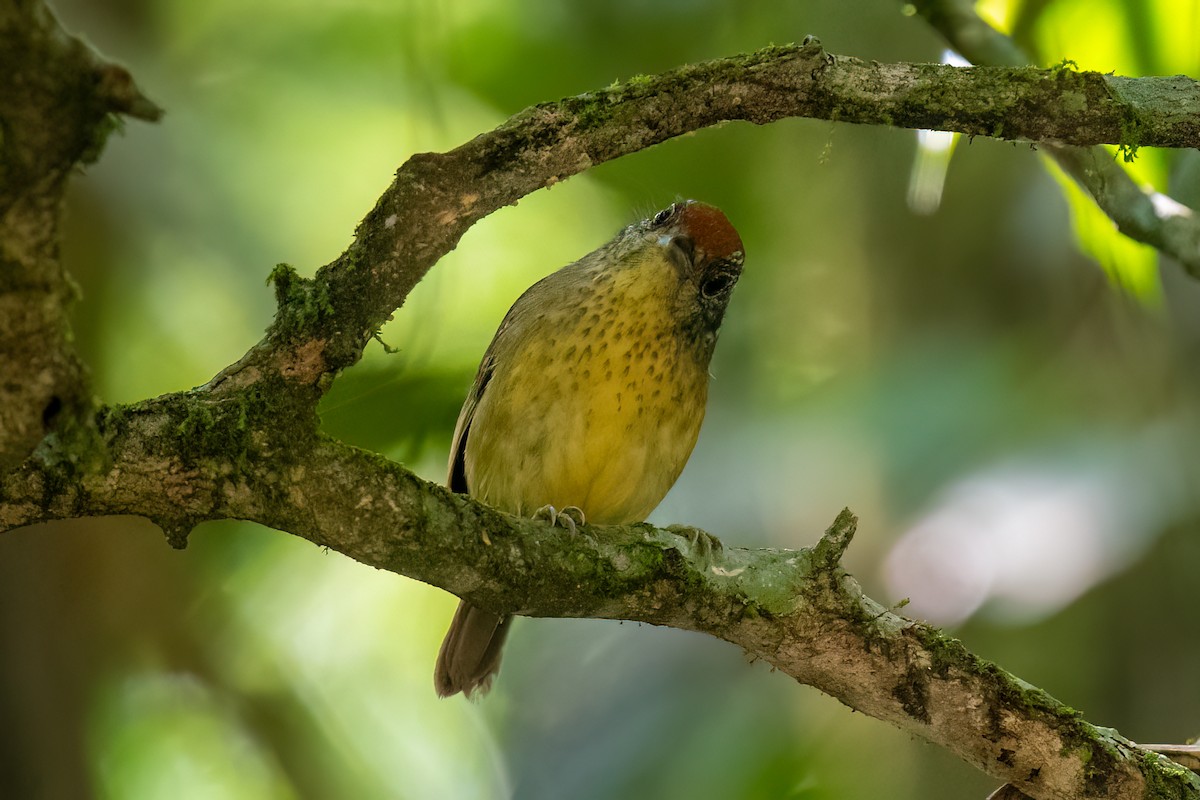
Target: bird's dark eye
662	216
715	285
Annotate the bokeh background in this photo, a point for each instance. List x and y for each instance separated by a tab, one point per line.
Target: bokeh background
940	334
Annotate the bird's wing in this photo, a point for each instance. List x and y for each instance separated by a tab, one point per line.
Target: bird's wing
456	480
520	323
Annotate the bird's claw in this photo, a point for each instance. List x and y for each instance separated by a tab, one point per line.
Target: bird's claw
705	544
702	544
571	517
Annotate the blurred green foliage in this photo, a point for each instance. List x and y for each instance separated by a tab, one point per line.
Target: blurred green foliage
1015	431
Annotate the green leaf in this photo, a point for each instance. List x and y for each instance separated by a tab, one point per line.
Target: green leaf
1131	265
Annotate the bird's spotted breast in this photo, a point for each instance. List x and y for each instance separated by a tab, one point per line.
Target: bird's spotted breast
620	404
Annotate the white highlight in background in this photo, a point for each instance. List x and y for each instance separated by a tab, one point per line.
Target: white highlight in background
927	181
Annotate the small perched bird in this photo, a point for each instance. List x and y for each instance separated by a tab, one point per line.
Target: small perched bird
590	397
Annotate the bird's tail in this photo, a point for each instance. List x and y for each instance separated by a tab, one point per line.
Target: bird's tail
470	654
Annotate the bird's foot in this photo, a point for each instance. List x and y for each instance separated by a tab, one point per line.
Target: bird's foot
702	544
569	517
706	544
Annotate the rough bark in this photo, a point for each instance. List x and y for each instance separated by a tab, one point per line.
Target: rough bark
57	105
247	444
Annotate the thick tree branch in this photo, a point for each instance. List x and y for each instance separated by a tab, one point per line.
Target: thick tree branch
1145	216
797	610
324	323
57	105
247	445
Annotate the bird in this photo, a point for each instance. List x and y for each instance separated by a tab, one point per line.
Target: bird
589	399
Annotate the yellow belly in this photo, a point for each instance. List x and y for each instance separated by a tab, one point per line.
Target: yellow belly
601	413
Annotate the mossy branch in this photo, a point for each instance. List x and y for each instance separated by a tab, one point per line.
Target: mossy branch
58	103
795	609
436	197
